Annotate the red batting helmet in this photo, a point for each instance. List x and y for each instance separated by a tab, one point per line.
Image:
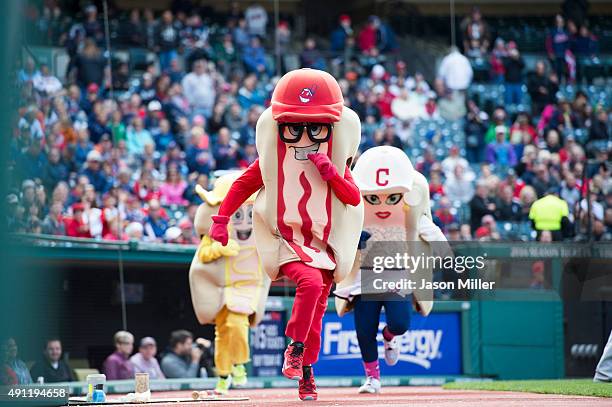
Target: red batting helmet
307	95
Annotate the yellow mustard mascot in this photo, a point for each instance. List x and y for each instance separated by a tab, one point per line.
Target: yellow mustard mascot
228	285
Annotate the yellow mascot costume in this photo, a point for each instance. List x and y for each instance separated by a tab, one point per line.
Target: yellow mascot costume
228	285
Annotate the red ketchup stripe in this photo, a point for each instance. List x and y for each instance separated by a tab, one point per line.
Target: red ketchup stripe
306	227
284	229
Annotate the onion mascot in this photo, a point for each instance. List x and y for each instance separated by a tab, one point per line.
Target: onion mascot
308	212
228	285
397	209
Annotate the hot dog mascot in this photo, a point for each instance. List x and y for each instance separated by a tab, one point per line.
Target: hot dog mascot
397	209
308	211
228	285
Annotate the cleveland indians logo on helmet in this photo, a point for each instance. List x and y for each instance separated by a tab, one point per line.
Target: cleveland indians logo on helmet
307	94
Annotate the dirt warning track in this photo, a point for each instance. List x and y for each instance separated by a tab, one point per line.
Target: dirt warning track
392	396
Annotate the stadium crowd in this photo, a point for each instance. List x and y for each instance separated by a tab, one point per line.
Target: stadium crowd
115	154
184	357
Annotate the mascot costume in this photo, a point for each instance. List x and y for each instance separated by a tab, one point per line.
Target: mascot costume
397	209
308	212
228	285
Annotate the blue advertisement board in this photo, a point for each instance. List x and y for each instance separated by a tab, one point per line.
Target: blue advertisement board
432	346
268	344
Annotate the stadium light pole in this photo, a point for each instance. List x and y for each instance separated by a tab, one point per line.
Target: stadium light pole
452	22
276	42
119	228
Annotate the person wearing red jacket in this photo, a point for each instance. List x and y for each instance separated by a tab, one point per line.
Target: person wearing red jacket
76	226
308	210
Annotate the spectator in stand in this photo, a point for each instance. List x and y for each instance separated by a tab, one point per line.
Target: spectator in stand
522	133
167	40
456	71
226	151
569	191
459	187
475	128
311	57
513	84
341	34
368	36
198	155
183	359
256	20
187	235
254	57
45	83
557	43
14	370
444	214
542	87
450	163
138	137
144	361
599	133
93	171
155	222
250	94
499	119
500	152
543	182
550	213
89	65
488	229
199	89
52	367
93	27
55	170
506	208
498	55
76	226
247	132
476	35
53	224
117	366
480	205
171	191
240	34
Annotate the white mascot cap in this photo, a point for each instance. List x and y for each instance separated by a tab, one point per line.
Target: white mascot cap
386	169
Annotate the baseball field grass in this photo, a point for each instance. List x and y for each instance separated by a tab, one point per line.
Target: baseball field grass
577	387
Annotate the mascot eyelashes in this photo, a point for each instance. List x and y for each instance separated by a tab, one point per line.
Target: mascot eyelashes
398	218
228	285
308	212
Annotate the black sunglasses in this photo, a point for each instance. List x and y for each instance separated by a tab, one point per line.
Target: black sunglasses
317	132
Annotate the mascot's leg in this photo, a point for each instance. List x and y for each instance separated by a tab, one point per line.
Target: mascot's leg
304	326
398	321
238	341
367	316
223	352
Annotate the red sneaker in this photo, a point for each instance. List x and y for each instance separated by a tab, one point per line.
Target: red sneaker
308	388
294	357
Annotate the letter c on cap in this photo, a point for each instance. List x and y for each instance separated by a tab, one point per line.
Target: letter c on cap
380	181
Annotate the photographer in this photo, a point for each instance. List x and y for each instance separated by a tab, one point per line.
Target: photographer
183	359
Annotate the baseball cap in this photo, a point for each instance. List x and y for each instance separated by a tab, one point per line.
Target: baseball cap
146	341
154	106
94	155
93	88
28	183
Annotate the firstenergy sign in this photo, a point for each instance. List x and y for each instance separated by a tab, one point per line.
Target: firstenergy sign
431	346
418	346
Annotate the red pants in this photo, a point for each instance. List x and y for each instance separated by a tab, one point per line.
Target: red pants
310	303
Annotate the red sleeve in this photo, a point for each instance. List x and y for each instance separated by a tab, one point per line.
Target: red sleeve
245	186
345	188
